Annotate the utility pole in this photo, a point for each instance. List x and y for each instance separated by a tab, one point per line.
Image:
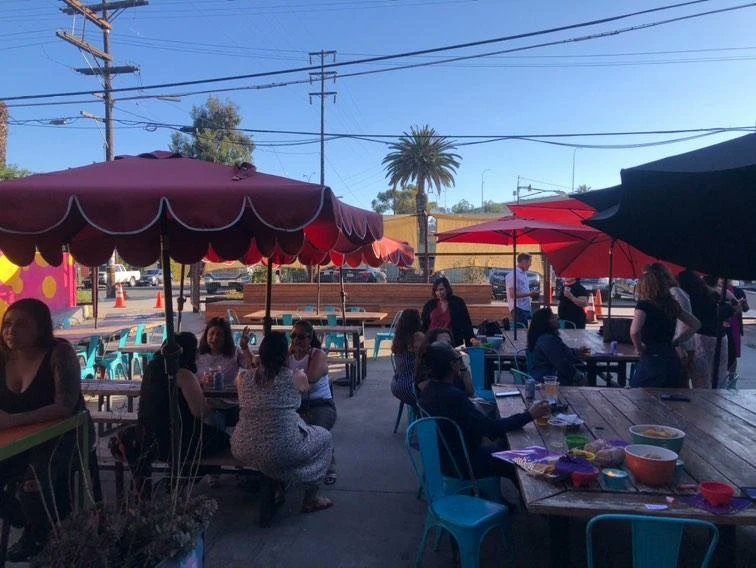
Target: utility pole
108	11
322	76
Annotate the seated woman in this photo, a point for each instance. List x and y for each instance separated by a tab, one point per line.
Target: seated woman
217	351
318	407
548	353
404	348
197	420
40	380
422	375
270	435
442	398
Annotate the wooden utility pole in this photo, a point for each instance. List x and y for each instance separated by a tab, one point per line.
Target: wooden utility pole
322	76
107	11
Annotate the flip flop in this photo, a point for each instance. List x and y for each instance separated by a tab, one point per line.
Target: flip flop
319	504
330	478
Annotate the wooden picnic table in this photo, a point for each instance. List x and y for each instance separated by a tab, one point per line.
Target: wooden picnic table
599	356
360	317
77	334
720	427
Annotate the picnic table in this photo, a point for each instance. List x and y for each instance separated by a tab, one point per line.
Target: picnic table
720	427
597	359
359	317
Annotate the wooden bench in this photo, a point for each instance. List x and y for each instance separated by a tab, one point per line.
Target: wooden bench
378	297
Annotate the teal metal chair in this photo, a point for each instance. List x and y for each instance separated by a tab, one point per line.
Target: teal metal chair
478	372
385	335
308	309
656	540
520	378
330	309
336	340
286	319
116	363
566	324
356	309
87	353
467	518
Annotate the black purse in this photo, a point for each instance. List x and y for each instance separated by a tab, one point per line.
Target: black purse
617	330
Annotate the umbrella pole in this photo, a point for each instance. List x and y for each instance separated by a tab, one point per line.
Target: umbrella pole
267	321
317	303
611	280
180	300
343	295
715	378
514	283
95	275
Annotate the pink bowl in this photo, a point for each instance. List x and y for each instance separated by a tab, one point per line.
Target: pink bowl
717	494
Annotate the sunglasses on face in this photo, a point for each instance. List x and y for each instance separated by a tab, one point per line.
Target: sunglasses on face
300	335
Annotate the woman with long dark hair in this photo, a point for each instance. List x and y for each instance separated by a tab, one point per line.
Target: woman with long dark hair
404	349
40	380
270	435
653	333
218	352
549	355
446	310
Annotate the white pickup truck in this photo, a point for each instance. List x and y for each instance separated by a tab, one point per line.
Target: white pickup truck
120	275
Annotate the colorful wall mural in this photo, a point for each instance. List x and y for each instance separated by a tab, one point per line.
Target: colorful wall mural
54	285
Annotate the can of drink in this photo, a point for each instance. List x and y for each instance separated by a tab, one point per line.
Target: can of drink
218	380
613	347
530	388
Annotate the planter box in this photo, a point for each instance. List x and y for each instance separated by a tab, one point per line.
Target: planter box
193	559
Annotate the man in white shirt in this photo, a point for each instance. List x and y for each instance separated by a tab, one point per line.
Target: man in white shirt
522	311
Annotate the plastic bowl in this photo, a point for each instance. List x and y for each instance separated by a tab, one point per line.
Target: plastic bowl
651	465
576	441
494	341
717	494
674	442
584	478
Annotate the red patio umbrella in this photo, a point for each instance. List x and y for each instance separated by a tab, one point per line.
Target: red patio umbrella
513	230
162	205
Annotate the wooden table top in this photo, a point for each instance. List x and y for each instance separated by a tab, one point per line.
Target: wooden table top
574	339
319	316
15	440
76	334
720	427
318	328
124	388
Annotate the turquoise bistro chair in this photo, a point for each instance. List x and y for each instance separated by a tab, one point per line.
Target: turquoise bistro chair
468	519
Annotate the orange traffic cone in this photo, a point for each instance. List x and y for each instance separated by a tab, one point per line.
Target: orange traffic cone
159	300
120	299
590	310
599	310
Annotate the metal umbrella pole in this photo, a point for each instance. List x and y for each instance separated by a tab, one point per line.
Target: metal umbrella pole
180	300
611	280
267	320
317	275
95	275
514	282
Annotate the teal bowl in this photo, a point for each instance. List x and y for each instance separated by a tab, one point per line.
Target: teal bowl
658	435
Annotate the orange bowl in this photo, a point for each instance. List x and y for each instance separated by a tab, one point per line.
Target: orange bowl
651	465
717	494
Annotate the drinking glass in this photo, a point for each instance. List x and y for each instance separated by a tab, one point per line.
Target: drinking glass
551	388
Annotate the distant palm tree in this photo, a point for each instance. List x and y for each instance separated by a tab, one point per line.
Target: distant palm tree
424	158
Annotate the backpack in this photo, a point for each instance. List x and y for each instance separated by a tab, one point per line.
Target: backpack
489	328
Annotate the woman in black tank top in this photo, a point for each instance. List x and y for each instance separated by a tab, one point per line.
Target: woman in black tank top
39	381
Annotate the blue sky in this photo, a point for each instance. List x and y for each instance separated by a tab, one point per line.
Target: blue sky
691	74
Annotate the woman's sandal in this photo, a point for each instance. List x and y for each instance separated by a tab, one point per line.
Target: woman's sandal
317	504
330	478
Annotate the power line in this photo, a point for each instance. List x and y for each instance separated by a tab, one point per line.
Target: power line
410	53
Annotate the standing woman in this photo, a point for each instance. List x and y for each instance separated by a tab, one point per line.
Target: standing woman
318	407
446	310
404	349
40	380
653	333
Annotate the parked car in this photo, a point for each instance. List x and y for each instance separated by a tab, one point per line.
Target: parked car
151	277
498	285
120	274
231	278
590	284
367	274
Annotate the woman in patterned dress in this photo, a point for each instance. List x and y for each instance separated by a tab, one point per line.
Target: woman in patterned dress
408	339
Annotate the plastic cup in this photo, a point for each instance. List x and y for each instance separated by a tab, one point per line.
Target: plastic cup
551	388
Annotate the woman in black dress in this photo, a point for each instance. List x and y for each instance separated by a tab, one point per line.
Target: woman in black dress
445	310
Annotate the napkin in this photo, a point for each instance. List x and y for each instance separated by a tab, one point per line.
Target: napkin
569	418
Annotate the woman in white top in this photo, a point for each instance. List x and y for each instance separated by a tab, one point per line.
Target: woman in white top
318	407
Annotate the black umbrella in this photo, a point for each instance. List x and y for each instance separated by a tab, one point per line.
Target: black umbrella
693	209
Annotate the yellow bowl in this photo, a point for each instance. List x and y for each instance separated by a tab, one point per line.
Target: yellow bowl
590	456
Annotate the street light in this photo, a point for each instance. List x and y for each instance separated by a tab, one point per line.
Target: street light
482	183
573	168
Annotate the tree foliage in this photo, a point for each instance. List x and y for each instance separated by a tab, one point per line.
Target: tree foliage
215	136
463	206
12	172
583	188
398	201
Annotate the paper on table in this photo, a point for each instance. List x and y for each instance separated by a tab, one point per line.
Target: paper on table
569	418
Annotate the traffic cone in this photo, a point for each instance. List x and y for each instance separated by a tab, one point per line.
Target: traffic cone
159	300
120	299
590	310
599	310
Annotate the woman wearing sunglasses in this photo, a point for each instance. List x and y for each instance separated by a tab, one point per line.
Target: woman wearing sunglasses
318	407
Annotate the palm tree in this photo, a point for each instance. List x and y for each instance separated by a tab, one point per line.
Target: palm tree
425	158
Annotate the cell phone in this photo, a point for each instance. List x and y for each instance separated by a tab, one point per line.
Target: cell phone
674	397
508	393
749	492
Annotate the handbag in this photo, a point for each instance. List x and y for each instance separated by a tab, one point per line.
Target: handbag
617	330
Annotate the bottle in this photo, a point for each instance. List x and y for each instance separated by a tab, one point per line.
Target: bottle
530	388
218	380
613	347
